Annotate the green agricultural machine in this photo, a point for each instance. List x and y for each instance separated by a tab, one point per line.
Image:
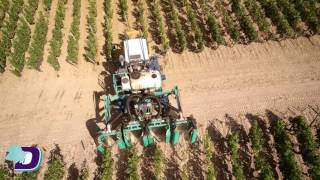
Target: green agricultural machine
140	108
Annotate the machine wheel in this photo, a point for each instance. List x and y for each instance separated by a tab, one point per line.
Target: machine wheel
131	101
155	102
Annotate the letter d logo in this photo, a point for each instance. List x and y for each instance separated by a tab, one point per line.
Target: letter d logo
25	158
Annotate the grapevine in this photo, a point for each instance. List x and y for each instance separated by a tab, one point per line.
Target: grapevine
91	48
4	172
308	13
30	10
244	20
47	4
177	24
214	27
198	36
291	14
158	159
4	6
273	12
56	41
258	146
231	27
257	15
73	46
288	164
207	144
307	146
141	19
108	28
38	42
237	169
8	32
107	165
124	9
56	165
159	23
20	46
132	167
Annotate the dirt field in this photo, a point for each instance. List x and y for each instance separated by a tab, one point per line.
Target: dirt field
51	107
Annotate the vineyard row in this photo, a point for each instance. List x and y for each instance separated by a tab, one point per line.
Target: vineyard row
192	24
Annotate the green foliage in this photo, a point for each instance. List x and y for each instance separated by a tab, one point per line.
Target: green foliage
84	171
124	9
56	165
47	4
4	172
108	28
56	41
13	13
4	6
38	42
73	46
20	46
274	13
244	20
198	36
256	138
288	164
232	28
307	146
132	166
4	46
237	169
27	175
107	165
8	32
214	27
291	14
229	24
158	161
247	27
160	24
258	146
141	19
257	15
215	30
30	9
177	24
308	12
91	48
207	145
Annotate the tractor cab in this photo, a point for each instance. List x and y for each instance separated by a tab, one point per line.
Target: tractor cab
140	71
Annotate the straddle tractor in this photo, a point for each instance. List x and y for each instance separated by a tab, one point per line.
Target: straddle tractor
139	106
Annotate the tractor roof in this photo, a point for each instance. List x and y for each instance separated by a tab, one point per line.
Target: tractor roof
135	49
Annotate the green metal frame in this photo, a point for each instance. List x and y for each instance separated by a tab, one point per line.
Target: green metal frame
123	140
